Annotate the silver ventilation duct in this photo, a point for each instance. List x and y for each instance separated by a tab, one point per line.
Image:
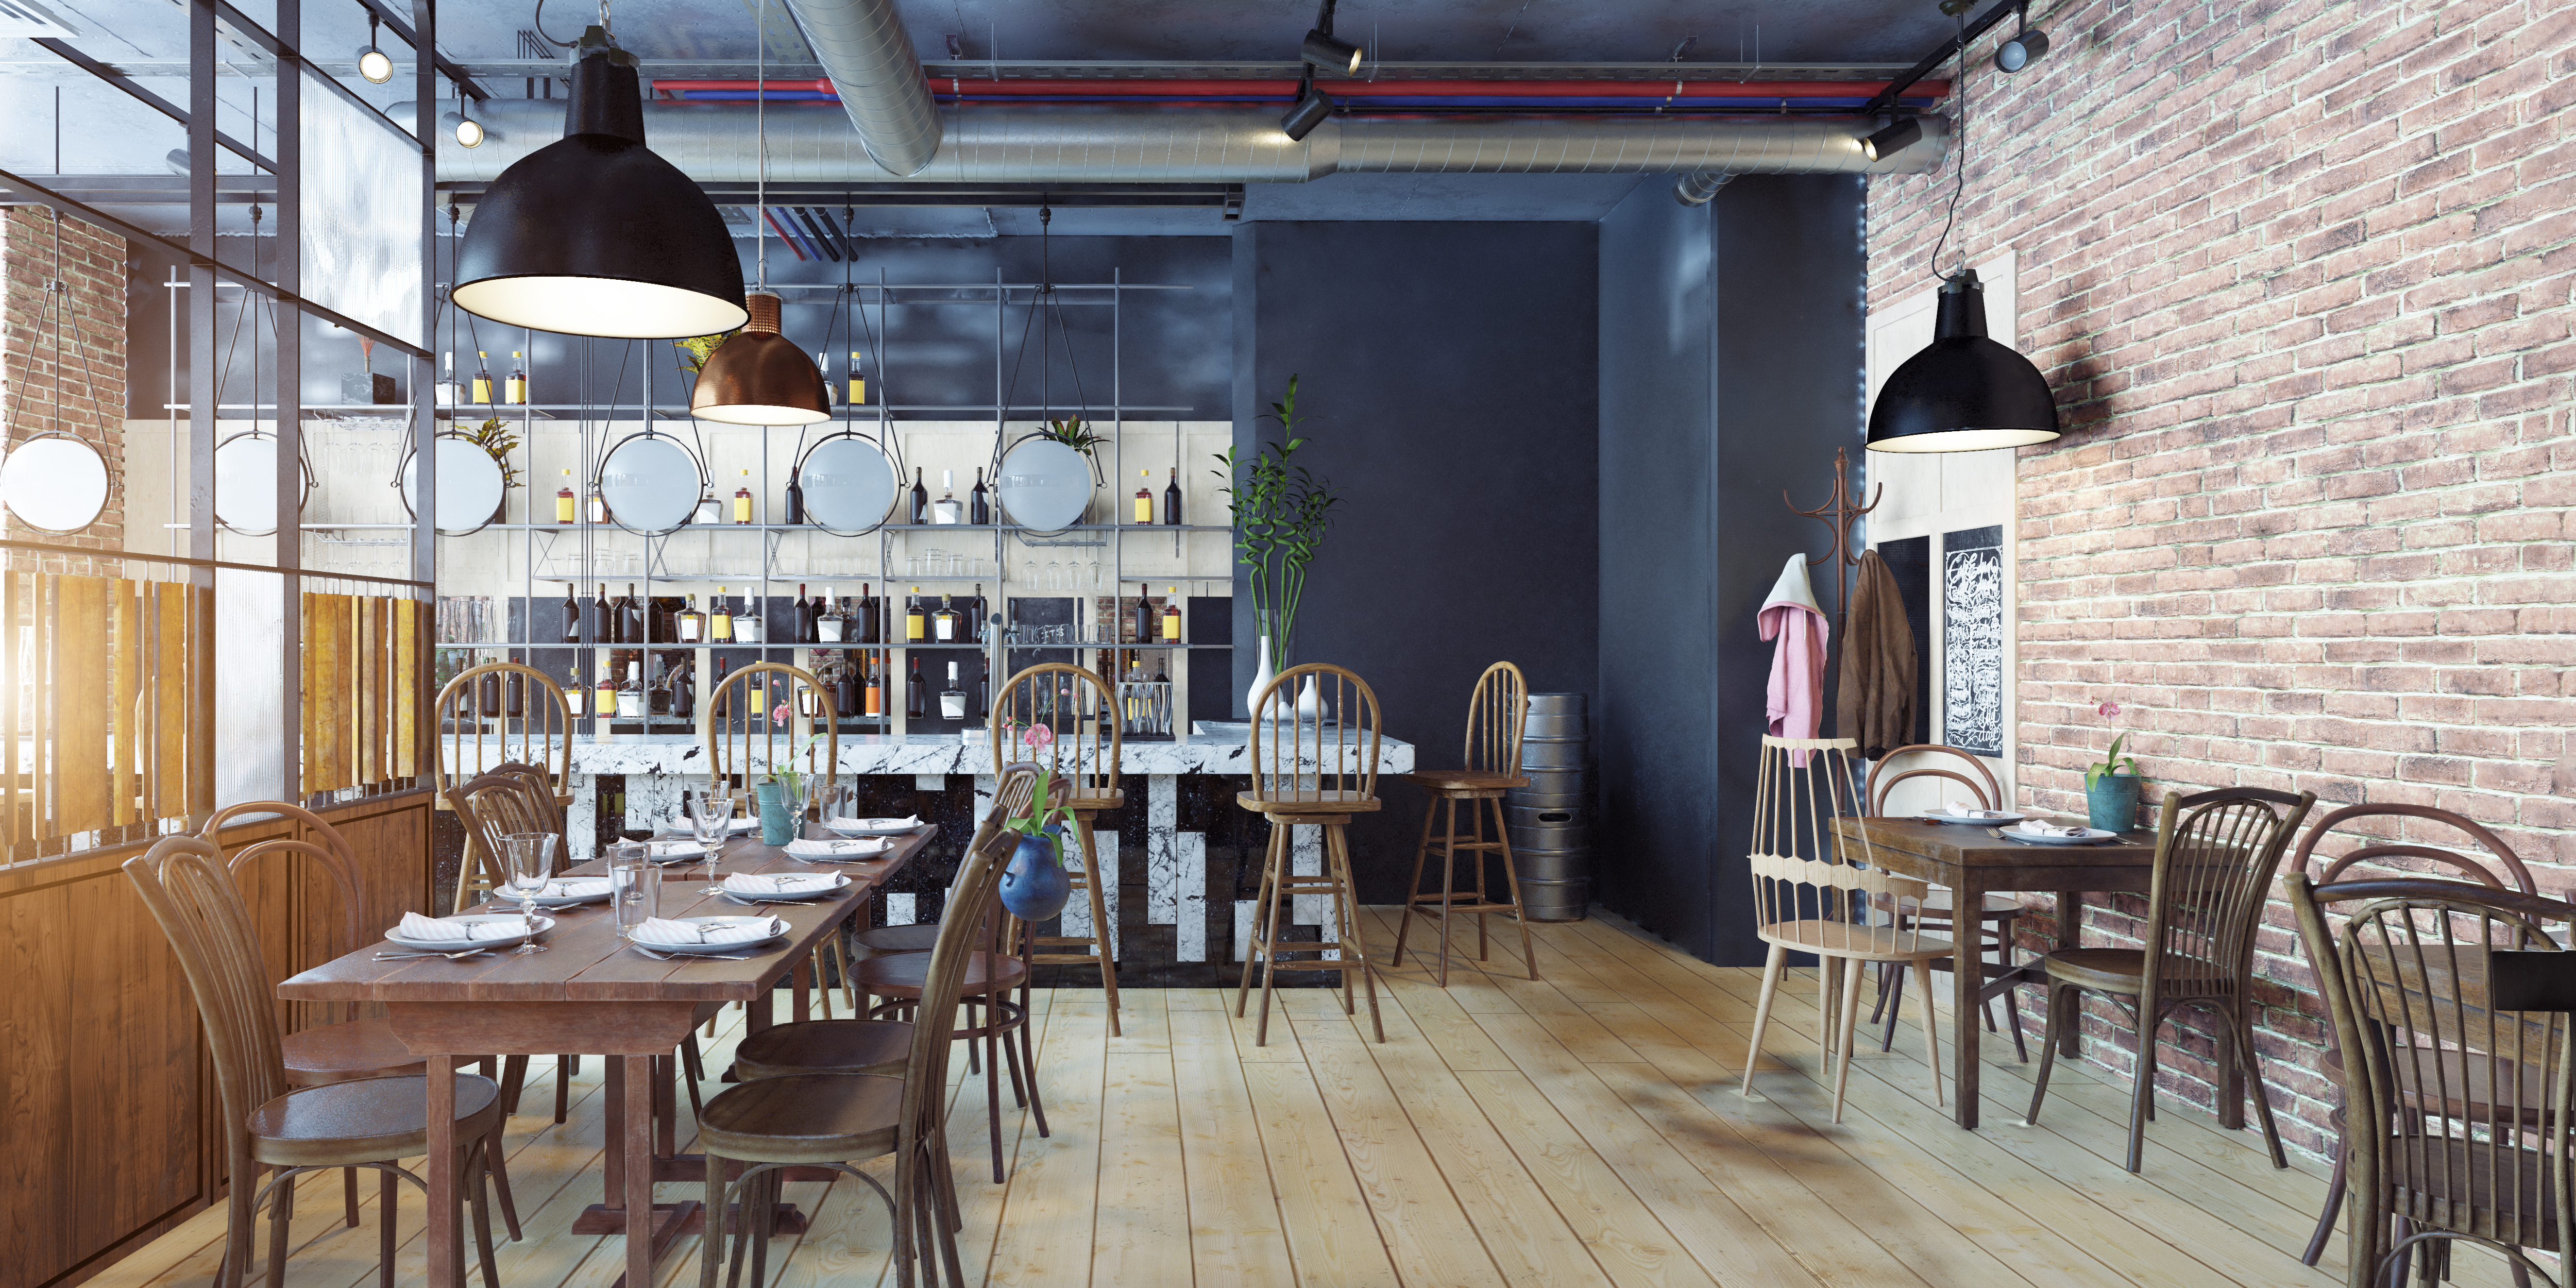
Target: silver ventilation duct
864	49
812	143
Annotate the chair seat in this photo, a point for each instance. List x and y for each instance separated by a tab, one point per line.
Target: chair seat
367	1121
2465	1090
1116	799
824	1046
804	1118
920	937
1466	780
1846	939
1940	906
903	974
2106	970
2452	1184
347	1052
1315	802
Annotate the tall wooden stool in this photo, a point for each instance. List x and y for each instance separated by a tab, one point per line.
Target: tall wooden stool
1316	767
1495	715
1078	710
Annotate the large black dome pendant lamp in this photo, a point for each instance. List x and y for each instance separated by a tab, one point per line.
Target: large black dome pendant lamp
1963	392
757	376
594	234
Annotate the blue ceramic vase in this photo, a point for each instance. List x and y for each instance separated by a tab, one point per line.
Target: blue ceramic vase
775	827
2111	803
1035	887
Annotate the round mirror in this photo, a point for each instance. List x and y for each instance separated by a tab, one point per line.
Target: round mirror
246	483
848	482
1044	484
470	485
651	483
55	482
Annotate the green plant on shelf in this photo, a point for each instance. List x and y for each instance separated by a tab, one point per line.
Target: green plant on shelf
496	440
697	347
1280	510
1073	432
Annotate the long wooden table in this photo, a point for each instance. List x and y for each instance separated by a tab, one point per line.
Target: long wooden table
1973	865
589	993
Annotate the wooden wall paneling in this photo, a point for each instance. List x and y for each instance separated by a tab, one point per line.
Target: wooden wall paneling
83	701
171	705
407	694
371	706
12	658
40	633
126	683
134	1040
201	701
35	1113
327	629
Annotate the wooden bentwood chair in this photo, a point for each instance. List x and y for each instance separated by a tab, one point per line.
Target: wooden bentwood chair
268	1123
1318	774
783	1117
2460	1102
472	743
1995	921
746	741
2213	873
1079	708
1496	713
1822	905
2377	859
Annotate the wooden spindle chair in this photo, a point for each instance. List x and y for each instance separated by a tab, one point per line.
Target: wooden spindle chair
1497	711
745	745
1077	709
1995	921
1315	773
471	744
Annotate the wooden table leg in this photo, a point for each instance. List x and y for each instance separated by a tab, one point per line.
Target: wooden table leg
612	1166
666	1110
446	1268
1967	980
2070	934
637	1130
803	975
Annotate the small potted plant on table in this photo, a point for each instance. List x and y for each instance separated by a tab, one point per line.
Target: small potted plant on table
2110	796
1034	886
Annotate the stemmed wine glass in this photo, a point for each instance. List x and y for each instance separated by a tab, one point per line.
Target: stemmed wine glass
531	861
711	821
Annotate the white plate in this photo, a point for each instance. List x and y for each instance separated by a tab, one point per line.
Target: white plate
713	950
510	898
871	826
544	924
2092	836
839	884
1986	817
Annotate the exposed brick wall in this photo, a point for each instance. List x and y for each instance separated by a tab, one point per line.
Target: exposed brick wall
2300	273
91	384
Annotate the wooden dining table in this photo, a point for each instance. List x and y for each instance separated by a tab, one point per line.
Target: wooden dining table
591	992
1973	863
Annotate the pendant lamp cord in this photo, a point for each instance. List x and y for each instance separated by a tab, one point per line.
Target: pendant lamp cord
1958	148
760	114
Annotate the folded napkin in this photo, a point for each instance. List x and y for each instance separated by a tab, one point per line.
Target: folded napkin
2036	828
442	930
736	930
798	883
578	888
1961	809
853	848
876	824
673	849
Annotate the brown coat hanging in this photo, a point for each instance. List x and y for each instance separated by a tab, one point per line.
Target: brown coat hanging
1875	702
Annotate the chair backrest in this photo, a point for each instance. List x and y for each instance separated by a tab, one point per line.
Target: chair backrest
964	928
190	892
1076	708
2216	853
472	743
544	793
327	848
1989	793
1496	714
493	806
1326	754
1802	868
2408	987
745	740
2515	876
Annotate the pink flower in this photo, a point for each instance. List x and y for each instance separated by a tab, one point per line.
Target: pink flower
780	715
2108	709
1038	735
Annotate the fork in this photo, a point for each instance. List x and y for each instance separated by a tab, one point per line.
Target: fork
700	957
454	957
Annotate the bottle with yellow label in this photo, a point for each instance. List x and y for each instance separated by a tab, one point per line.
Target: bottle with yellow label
858	383
719	619
1144	499
518	387
915	621
742	500
1171	614
482	377
565	502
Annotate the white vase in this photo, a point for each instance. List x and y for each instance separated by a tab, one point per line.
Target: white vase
1310	703
1261	677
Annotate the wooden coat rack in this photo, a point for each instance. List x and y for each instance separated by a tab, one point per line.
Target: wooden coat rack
1838	514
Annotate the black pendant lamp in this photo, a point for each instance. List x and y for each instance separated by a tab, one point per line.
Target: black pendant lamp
594	234
1963	392
759	377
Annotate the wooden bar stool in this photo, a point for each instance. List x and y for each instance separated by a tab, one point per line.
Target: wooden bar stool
1495	715
472	743
1315	767
1080	715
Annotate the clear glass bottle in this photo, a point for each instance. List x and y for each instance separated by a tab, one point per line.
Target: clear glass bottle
945	622
693	624
1144	498
598	505
831	627
604	697
749	623
916	624
952	699
576	695
947	509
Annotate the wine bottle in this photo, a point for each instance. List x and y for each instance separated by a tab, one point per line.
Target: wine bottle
719	619
482	377
684	692
975	612
983	687
693	624
915	623
514	695
947	509
952	700
1172	499
487	693
718	710
1144	499
822	605
571	610
858	383
517	392
742	500
912	695
944	623
632	611
1171	614
604	698
920	499
868	626
845	689
1144	614
603	623
980	502
795	495
567	506
804	618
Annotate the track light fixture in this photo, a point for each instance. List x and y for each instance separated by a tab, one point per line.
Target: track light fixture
469	132
2026	46
1313	105
1891	140
373	64
1325	51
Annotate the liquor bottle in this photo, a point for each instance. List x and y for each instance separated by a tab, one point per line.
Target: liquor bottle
1171	614
721	703
693	624
975	612
1144	614
604	698
823	364
749	623
1172	499
822	604
876	689
947	508
945	622
516	391
447	383
795	494
598	505
983	688
1144	499
630	694
804	618
845	689
719	619
709	513
915	622
571	609
920	499
979	508
952	700
514	695
755	696
684	692
603	618
487	693
913	705
567	506
482	377
858	383
631	614
742	500
575	695
832	626
870	620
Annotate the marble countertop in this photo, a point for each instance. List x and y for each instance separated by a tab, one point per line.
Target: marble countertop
933	754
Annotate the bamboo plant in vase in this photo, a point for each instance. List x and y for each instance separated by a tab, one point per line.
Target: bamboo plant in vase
1281	510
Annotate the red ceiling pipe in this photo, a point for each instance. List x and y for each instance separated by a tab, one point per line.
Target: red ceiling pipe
1108	88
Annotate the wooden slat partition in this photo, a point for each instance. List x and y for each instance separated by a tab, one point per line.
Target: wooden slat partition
328	689
81	698
125	715
405	729
170	705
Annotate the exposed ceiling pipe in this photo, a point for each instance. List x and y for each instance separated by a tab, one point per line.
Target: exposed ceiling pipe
1847	93
1699	187
810	143
870	60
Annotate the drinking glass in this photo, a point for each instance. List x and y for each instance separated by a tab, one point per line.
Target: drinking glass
711	821
531	864
827	797
635	888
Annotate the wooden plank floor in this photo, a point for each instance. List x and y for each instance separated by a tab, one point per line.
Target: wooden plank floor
1586	1129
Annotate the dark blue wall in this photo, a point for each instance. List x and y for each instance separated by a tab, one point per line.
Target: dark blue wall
1731	369
1450	373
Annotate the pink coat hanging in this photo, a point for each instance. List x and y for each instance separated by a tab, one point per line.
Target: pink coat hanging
1797	629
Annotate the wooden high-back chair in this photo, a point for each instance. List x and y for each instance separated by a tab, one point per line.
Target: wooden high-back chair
1080	755
1314	772
1811	894
1497	709
471	743
744	743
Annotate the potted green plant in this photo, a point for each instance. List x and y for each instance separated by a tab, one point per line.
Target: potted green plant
781	794
1281	511
2110	796
694	350
496	440
1073	432
1034	886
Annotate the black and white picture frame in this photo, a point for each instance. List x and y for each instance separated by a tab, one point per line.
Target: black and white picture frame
1972	640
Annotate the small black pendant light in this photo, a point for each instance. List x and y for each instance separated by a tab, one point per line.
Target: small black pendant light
594	234
758	376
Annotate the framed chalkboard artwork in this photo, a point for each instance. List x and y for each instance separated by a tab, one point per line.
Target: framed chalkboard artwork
1972	640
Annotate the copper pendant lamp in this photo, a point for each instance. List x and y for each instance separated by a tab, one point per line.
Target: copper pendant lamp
760	377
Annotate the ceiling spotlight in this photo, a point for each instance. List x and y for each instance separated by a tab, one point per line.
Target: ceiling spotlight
1891	140
177	160
469	132
1324	51
1313	105
372	62
2025	47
